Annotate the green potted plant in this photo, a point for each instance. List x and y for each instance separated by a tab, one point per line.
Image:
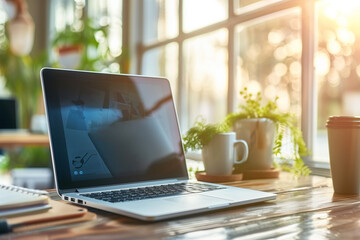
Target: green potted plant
69	47
218	147
22	79
20	73
202	133
264	127
38	157
82	48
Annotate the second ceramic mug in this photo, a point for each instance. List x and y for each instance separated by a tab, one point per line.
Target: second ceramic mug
219	156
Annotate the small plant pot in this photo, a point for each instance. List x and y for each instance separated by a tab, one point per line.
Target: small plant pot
69	56
259	134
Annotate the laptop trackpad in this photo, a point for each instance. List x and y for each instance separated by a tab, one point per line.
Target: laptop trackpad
197	200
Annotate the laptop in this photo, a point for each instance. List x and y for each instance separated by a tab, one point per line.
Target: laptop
116	146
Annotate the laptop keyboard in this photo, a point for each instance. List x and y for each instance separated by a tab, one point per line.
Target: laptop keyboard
151	192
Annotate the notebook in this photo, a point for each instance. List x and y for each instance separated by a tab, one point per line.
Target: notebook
116	146
17	200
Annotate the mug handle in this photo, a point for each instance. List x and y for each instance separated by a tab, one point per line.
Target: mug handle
246	151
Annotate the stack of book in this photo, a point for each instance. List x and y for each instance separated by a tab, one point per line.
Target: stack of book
23	209
17	200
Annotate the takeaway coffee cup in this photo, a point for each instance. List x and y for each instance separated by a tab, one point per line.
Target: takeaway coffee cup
219	156
344	150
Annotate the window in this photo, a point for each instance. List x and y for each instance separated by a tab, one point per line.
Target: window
166	63
337	63
211	49
268	58
205	76
201	13
161	18
83	14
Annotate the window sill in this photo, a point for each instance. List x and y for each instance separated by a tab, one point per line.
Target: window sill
317	168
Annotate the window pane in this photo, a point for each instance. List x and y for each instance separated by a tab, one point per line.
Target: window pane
108	13
269	59
201	13
243	3
337	65
160	20
163	61
206	77
239	5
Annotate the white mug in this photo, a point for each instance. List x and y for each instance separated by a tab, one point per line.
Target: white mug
219	156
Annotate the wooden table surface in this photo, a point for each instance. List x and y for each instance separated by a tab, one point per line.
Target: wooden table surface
23	139
305	208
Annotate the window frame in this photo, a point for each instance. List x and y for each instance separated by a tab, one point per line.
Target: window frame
249	13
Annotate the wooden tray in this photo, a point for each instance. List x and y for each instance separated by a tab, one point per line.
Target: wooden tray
202	176
260	174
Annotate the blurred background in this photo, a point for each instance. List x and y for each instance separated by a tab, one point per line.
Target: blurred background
306	52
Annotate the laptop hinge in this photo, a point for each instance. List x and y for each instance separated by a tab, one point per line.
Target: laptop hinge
64	191
130	185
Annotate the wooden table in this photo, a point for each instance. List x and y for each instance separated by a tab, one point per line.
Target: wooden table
305	208
23	139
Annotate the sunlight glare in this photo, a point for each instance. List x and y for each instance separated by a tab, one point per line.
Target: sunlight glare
202	13
331	13
275	37
345	36
322	63
280	53
280	69
273	79
295	68
344	7
254	87
333	78
333	47
358	70
339	63
284	100
270	92
294	47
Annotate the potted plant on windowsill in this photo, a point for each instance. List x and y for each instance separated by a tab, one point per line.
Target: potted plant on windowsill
264	128
202	133
218	146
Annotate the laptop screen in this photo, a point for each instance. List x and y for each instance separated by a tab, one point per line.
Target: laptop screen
111	129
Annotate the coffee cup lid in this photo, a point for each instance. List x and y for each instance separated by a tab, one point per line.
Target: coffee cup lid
343	121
